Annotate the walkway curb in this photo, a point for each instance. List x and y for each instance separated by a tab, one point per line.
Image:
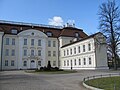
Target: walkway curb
90	87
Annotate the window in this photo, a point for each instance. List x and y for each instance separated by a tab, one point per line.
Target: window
49	53
75	61
13	52
90	61
49	43
84	61
14	31
64	63
67	62
64	52
7	41
74	50
39	42
25	41
6	62
71	51
67	52
76	34
54	63
32	52
79	61
54	43
12	63
49	33
25	52
83	48
13	41
89	47
32	42
39	63
7	52
39	52
25	63
78	49
54	53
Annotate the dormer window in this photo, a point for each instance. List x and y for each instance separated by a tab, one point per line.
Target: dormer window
14	31
76	34
49	33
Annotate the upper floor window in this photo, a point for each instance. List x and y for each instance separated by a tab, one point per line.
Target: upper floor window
32	42
32	52
64	52
83	48
74	50
71	51
49	43
7	52
14	31
49	53
79	61
25	52
7	41
89	47
54	53
39	42
39	63
39	52
67	52
13	41
54	43
13	52
78	49
25	41
49	33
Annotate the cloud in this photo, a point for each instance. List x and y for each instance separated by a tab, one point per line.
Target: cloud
56	20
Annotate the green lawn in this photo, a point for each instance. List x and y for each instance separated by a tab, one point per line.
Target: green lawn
107	83
53	72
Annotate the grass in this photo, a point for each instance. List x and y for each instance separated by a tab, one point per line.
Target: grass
52	72
106	83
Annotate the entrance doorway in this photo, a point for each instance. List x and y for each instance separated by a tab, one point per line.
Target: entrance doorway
32	64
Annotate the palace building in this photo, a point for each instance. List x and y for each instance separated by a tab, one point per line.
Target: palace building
31	46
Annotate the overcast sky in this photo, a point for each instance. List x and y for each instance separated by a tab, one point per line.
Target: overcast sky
53	12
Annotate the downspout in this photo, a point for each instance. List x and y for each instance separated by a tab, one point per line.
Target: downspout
58	54
95	52
2	51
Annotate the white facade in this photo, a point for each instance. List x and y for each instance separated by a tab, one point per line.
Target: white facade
32	48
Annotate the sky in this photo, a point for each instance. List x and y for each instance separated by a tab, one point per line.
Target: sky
83	13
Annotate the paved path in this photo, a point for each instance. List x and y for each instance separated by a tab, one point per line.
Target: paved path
19	80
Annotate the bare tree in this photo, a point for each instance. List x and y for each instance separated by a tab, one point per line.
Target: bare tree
109	24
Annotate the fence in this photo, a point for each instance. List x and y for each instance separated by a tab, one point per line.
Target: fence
114	85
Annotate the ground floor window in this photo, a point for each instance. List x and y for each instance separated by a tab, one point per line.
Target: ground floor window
39	63
84	60
12	63
64	63
25	63
6	62
54	63
90	61
67	62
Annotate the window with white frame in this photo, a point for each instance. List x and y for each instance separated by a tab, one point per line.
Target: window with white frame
12	63
49	43
25	52
64	63
13	41
54	43
7	52
49	53
39	52
67	52
14	31
79	61
83	48
71	51
67	62
49	33
32	52
89	47
54	53
74	50
64	53
39	63
25	63
39	42
7	41
32	42
13	52
75	62
90	62
6	62
84	61
78	49
25	41
54	63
